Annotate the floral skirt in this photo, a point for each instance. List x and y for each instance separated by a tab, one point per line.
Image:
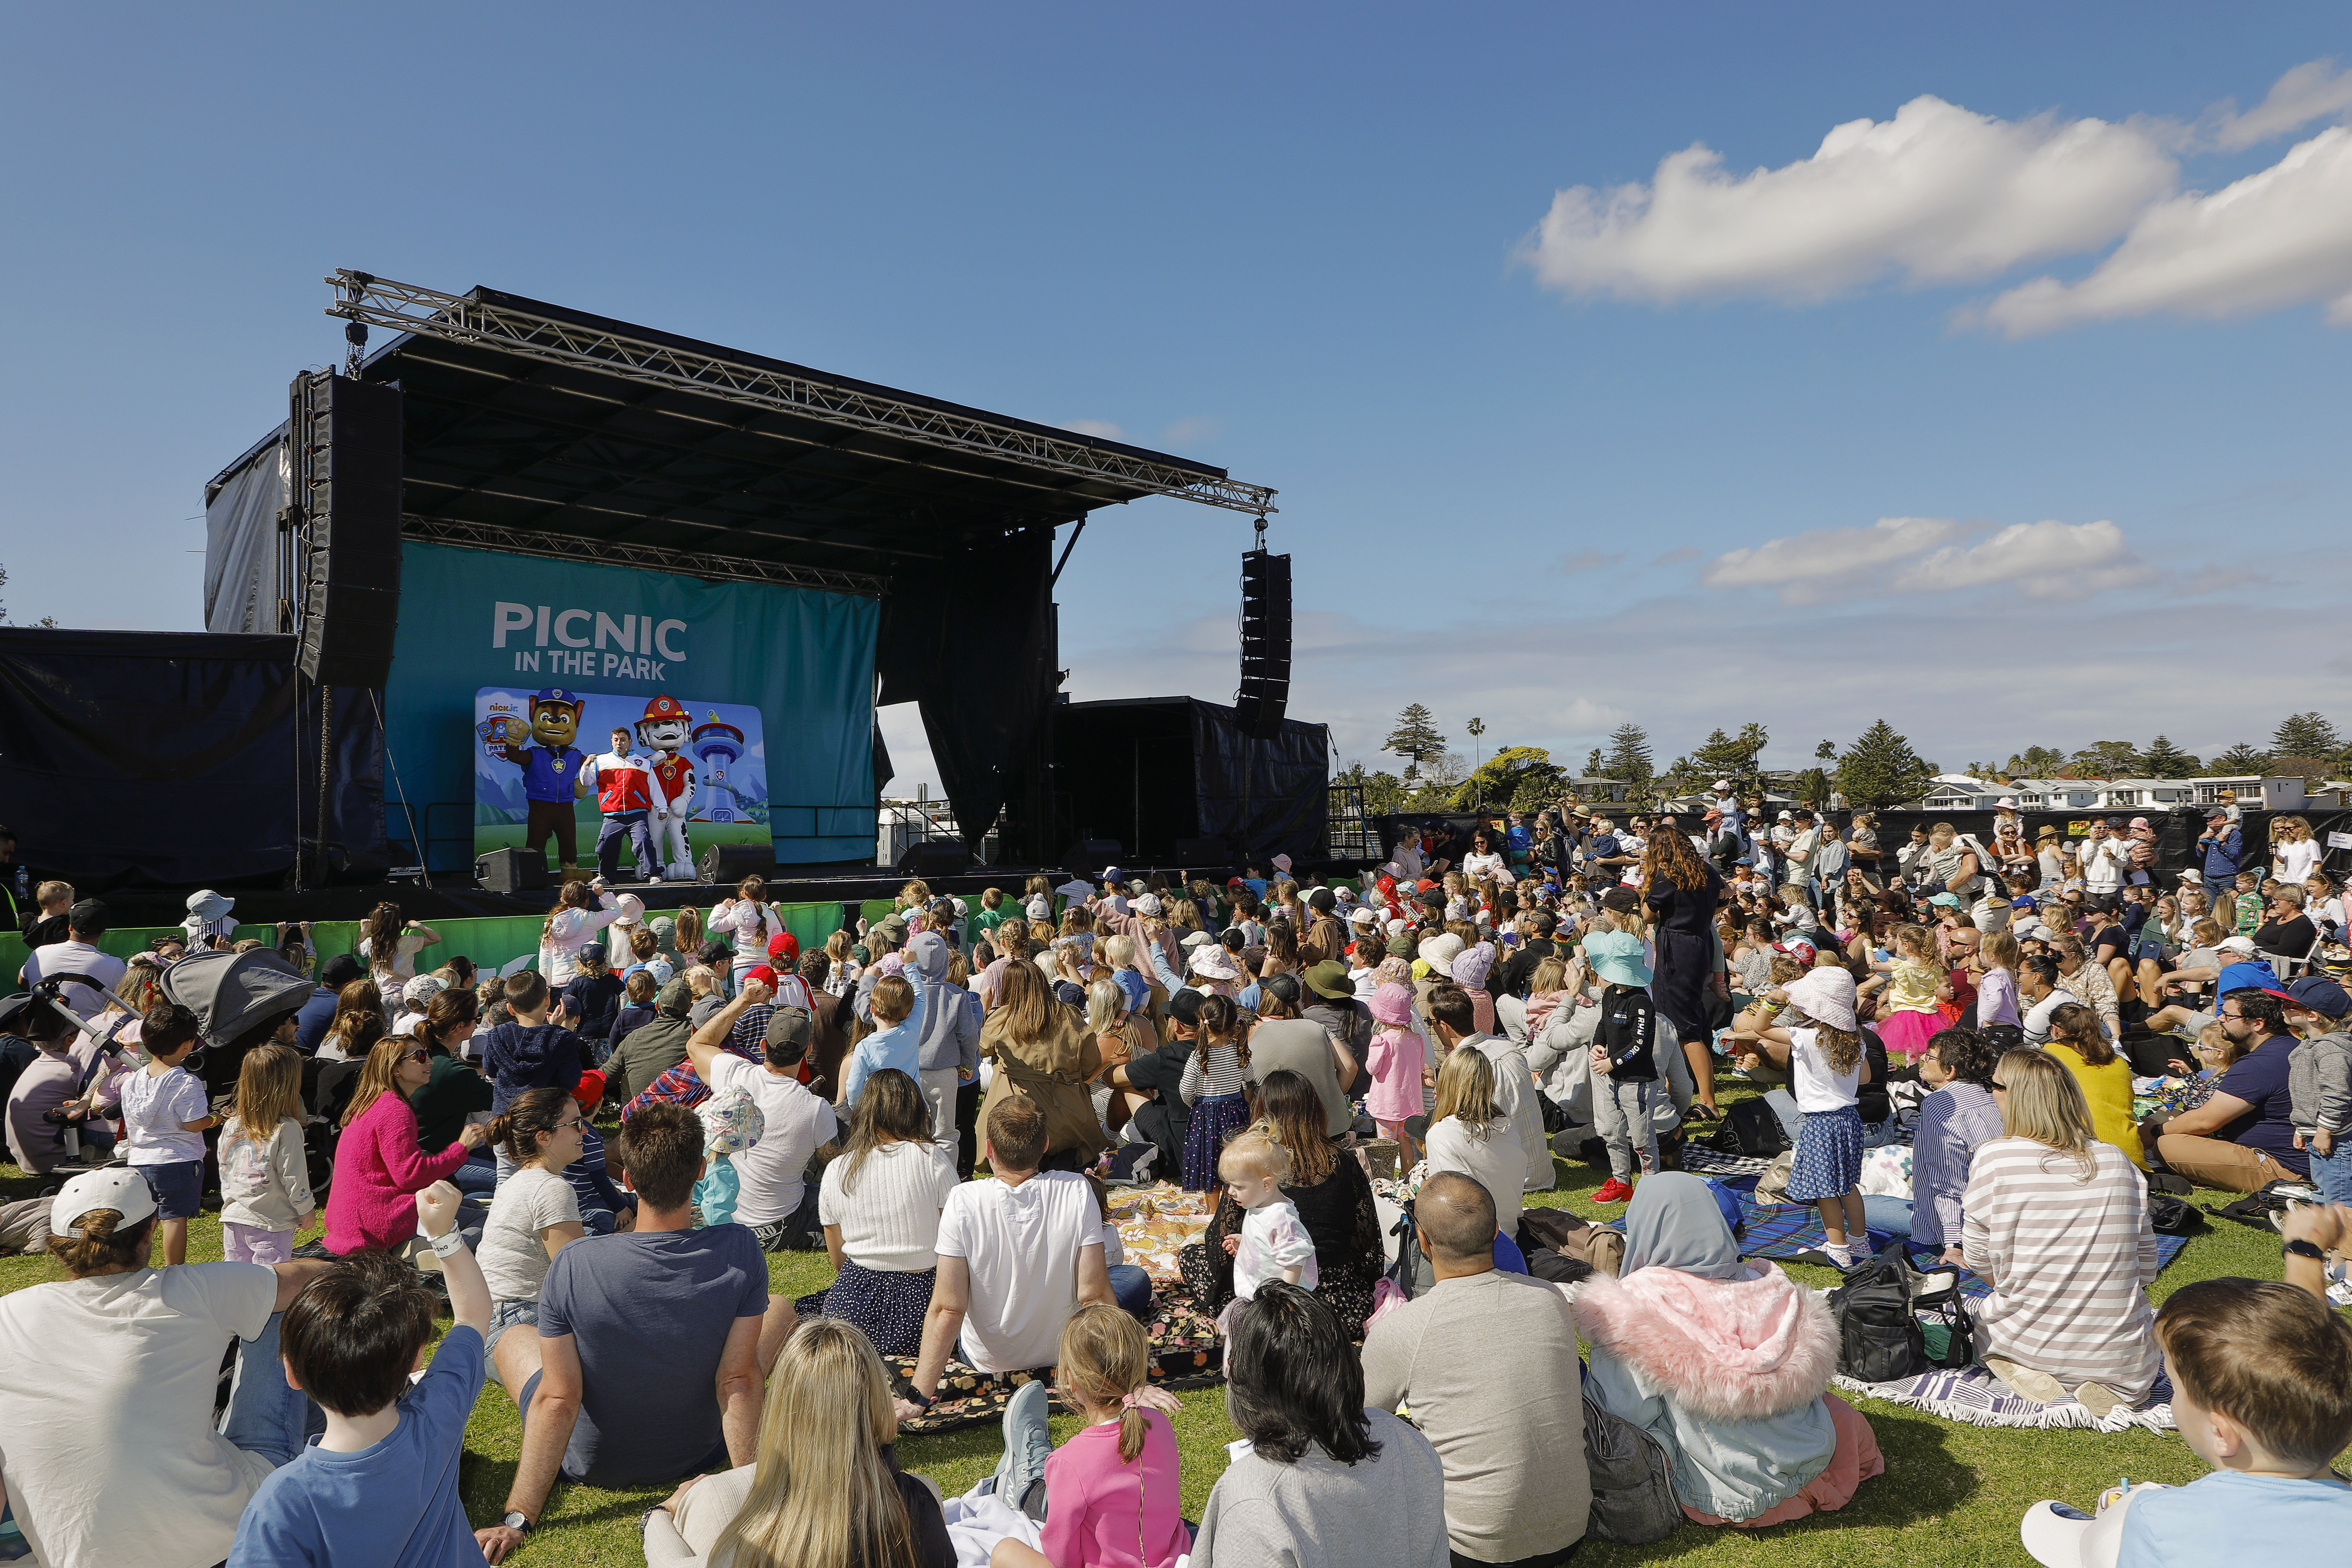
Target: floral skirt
1215	1120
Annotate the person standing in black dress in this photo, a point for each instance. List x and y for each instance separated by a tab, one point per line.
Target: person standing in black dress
1682	892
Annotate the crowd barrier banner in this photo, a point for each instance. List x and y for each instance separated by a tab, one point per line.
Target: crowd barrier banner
584	636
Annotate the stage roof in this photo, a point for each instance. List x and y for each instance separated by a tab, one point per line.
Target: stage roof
534	427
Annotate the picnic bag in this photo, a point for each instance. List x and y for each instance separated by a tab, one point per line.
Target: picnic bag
2170	1215
1563	1248
1633	1498
1879	1338
1751	1128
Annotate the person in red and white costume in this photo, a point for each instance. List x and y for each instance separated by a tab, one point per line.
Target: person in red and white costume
663	730
624	796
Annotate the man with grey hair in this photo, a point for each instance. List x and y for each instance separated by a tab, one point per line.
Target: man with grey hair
1516	1491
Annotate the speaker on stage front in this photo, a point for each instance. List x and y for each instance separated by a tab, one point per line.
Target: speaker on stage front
730	863
347	493
511	871
935	858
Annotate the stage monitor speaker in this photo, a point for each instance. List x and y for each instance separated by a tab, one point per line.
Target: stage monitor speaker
1203	854
346	438
1087	857
512	871
1265	644
730	863
935	858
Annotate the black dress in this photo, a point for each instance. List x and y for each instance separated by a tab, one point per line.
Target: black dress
1338	1215
1682	927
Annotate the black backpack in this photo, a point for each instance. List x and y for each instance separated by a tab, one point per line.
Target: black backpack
1752	1128
2170	1215
1633	1498
1877	1309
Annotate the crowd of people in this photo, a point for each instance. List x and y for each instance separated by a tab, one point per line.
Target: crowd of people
936	1100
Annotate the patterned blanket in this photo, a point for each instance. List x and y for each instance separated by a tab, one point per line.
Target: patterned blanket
1186	1352
1976	1396
1154	1221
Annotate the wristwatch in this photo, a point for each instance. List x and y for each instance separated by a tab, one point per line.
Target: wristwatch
922	1399
2299	1247
518	1522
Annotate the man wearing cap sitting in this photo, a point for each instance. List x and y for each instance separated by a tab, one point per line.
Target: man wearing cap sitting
2244	1137
78	954
778	1202
107	1382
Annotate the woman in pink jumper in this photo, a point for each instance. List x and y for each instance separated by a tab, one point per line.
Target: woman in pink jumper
379	1169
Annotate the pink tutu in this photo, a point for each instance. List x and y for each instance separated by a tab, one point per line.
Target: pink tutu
1907	1033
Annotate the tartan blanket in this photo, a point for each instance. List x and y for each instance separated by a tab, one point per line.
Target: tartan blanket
1974	1395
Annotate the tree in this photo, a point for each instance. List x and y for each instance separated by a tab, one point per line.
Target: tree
1415	739
1517	778
2105	760
2305	736
2241	760
1592	763
43	621
2163	759
2036	762
1733	757
1629	754
1384	793
1881	769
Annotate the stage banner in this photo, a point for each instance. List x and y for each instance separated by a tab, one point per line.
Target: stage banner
508	672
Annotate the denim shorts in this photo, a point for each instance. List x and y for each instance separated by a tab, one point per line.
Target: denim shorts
179	1187
505	1314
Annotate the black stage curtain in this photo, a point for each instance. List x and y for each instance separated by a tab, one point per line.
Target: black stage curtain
1262	797
971	639
145	758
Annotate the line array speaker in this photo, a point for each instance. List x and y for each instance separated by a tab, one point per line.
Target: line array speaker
347	462
1265	643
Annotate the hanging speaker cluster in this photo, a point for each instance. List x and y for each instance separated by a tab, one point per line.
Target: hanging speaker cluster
1265	643
346	495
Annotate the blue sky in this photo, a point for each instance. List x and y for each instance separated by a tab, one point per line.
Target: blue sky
1557	475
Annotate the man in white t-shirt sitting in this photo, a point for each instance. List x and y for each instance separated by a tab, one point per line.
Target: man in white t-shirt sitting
78	954
777	1200
1018	1254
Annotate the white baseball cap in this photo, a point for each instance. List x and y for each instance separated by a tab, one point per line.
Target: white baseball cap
118	1187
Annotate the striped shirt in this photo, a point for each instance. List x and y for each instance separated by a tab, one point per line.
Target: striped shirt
2070	1261
1222	1074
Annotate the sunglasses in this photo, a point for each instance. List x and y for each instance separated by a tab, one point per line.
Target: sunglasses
575	1121
416	1055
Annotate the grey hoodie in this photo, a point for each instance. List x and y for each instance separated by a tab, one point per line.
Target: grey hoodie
2319	1079
951	1023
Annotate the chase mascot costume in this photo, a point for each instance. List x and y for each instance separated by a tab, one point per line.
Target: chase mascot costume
551	777
663	730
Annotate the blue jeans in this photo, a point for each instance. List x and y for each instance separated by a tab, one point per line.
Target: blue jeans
1131	1287
2331	1173
266	1415
634	826
1892	1216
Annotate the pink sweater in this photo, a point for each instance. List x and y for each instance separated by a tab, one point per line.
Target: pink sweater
1091	1520
379	1170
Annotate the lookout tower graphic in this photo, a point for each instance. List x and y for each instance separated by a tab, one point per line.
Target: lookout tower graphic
716	743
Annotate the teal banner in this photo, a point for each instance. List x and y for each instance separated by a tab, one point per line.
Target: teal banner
775	686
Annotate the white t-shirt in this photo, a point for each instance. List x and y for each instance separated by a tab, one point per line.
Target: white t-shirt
2301	858
1475	867
155	1111
1020	1245
402	965
2103	861
798	1124
76	958
513	1255
1810	1078
106	1414
890	1220
2037	1021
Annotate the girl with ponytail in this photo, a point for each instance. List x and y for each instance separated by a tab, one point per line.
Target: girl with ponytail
536	1212
1111	1493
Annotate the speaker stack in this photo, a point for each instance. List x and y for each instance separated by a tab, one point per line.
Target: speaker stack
512	871
935	858
730	863
1265	643
346	458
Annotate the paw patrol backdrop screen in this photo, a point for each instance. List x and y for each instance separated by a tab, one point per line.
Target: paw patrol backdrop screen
763	695
698	772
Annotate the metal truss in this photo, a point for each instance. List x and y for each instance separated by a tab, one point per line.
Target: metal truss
368	300
649	557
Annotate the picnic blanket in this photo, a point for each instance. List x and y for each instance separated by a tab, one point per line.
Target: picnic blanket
1154	1221
1186	1352
1974	1395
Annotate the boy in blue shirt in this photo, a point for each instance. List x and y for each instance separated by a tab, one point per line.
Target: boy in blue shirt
2261	1391
380	1490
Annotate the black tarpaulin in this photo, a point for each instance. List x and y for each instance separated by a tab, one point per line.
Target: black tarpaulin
1262	797
171	758
1147	772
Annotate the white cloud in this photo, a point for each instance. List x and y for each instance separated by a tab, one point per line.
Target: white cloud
2314	90
2046	559
1802	564
1936	195
1102	427
1927	555
2278	237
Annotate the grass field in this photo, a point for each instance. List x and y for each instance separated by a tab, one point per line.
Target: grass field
1952	1494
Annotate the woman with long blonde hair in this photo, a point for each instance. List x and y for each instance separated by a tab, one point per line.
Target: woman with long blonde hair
379	1164
826	1491
1469	1134
2057	1220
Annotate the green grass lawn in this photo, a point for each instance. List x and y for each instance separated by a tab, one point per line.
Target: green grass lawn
1950	1493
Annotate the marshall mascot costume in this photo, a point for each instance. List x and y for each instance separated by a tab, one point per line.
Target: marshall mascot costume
664	730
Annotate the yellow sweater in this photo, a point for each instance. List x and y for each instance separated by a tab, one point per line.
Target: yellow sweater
2109	1090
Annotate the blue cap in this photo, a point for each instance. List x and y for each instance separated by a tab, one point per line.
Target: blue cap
2321	995
556	694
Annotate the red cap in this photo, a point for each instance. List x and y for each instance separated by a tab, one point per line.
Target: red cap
786	946
589	1089
762	974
